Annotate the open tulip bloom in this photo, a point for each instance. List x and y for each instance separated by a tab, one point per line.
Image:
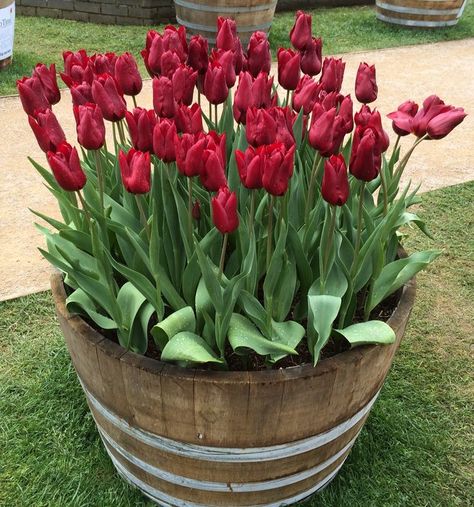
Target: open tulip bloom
267	226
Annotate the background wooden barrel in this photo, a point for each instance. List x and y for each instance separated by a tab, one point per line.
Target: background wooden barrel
200	16
420	13
200	438
7	25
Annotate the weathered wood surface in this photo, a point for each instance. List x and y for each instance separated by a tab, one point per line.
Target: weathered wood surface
195	437
420	13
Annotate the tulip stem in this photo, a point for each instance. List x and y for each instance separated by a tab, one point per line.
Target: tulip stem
271	205
84	207
329	242
190	210
138	199
312	182
404	161
121	132
134	101
287	97
359	225
384	191
199	98
100	178
215	114
222	259
252	211
114	132
210	113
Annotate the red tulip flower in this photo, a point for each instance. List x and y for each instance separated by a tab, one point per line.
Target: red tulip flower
301	33
371	119
75	65
140	125
278	168
227	61
346	113
170	62
174	39
103	63
284	119
198	50
81	94
251	93
32	95
49	82
306	95
189	119
164	135
164	102
311	57
184	81
226	34
66	167
224	211
108	98
335	185
250	165
135	168
366	88
47	130
432	107
90	126
215	83
366	158
333	74
442	124
288	68
212	174
189	151
152	53
321	133
259	58
402	118
127	75
261	127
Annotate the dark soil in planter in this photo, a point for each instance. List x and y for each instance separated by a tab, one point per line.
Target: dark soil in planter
254	362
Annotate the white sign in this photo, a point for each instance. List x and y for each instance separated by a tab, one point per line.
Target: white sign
7	26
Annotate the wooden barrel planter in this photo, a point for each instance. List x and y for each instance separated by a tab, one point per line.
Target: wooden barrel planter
205	438
420	13
7	27
200	16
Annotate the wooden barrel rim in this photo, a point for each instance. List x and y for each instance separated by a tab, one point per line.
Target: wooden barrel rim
154	366
222	9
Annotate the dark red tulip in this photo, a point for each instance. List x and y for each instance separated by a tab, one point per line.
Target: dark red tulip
432	107
75	64
402	118
169	64
215	83
32	95
259	58
250	165
311	57
66	167
321	133
135	168
184	81
335	185
90	126
189	151
152	53
164	135
174	39
240	60
251	93
442	124
224	210
47	130
333	74
284	119
262	91
226	34
164	102
288	68
365	156
49	82
103	63
226	59
108	98
261	127
81	93
366	88
301	33
127	75
346	113
198	50
278	168
371	119
212	174
189	119
140	125
306	95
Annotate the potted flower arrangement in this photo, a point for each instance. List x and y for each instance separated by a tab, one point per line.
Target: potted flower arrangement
231	284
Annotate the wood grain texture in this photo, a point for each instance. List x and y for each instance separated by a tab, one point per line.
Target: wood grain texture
139	403
420	12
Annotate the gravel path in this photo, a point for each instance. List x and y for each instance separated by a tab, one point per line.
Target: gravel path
415	72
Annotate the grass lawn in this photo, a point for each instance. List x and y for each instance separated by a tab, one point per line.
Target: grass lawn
414	451
343	29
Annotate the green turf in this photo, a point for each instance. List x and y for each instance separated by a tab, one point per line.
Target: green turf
343	29
414	451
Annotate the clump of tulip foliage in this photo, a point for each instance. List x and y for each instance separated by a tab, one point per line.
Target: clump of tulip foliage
221	230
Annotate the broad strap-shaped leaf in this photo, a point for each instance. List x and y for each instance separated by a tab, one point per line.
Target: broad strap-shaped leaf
255	311
129	299
210	279
289	333
243	335
139	334
181	320
189	348
397	273
370	332
322	312
80	303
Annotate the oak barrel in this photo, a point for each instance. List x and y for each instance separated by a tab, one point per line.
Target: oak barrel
7	27
200	16
202	438
420	13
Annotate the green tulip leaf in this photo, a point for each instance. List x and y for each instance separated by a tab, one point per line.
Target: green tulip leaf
370	332
289	333
80	303
189	348
181	320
